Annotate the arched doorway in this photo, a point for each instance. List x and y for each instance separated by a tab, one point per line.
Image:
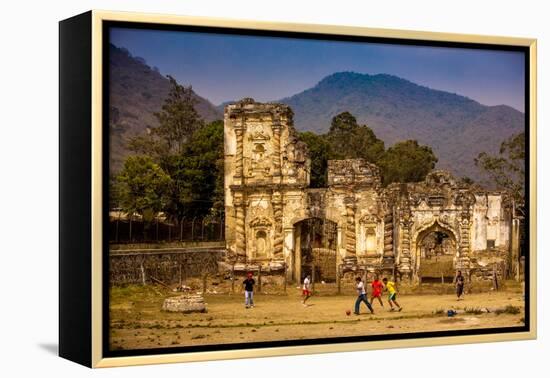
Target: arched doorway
315	241
436	251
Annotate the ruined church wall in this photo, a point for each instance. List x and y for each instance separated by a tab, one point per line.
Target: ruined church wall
491	222
369	225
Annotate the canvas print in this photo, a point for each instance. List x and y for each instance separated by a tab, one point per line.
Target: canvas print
273	189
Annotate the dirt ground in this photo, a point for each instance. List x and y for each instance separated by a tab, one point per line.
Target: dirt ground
137	321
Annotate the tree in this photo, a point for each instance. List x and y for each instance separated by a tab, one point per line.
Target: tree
507	169
168	143
198	173
349	140
319	150
143	187
407	162
178	120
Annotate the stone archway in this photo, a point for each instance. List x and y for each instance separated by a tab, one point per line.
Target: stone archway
435	253
315	249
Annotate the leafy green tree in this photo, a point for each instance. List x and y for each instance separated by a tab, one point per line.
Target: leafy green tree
178	120
507	169
168	144
349	140
143	187
198	173
319	150
406	162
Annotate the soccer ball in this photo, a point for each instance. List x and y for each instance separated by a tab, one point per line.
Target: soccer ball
348	312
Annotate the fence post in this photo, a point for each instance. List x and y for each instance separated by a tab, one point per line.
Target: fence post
181	229
193	229
202	229
179	272
142	268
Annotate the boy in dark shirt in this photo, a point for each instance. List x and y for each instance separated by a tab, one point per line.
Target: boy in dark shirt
248	284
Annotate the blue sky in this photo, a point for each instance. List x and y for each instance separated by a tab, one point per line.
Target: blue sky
225	67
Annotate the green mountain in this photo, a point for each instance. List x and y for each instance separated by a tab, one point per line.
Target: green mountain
456	127
136	92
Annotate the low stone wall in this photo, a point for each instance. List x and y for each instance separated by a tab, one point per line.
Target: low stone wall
169	266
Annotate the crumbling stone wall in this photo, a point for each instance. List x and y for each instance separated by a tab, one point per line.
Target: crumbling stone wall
267	195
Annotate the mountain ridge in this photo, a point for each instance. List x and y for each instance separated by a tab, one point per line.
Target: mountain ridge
457	128
136	92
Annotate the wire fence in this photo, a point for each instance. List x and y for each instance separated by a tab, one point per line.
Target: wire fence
124	230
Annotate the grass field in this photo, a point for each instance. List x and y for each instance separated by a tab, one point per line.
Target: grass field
137	321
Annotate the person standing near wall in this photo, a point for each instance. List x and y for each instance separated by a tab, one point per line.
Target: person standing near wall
248	284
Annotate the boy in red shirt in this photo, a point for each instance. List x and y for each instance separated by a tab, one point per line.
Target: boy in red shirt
377	287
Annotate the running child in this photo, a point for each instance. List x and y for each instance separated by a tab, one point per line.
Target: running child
306	290
361	296
248	284
392	294
377	287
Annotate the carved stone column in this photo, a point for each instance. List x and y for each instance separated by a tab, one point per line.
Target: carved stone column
350	226
405	224
240	236
387	254
276	157
239	131
277	203
464	247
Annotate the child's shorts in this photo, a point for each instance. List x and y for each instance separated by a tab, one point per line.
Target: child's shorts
307	293
392	297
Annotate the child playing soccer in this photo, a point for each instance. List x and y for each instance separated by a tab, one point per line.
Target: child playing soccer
248	284
392	294
306	290
377	287
361	296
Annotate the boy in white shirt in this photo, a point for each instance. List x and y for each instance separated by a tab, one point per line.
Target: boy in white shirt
361	296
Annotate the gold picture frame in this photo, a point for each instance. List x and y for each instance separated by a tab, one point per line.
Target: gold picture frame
74	271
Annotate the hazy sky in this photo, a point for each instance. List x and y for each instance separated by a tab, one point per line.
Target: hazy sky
224	67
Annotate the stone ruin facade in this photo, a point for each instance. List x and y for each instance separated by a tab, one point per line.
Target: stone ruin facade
412	231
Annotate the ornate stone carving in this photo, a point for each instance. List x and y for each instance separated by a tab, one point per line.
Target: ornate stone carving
350	226
369	219
260	222
276	202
